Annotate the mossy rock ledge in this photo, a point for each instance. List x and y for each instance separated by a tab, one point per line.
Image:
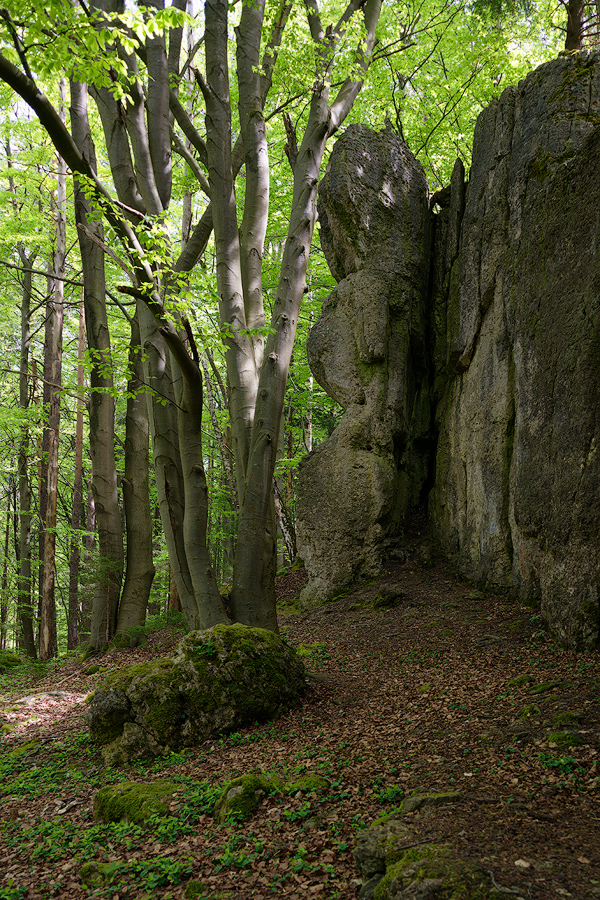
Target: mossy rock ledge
218	680
394	866
391	870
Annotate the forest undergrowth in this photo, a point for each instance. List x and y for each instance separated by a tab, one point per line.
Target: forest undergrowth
450	689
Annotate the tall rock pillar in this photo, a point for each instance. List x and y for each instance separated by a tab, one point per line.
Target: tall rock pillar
368	350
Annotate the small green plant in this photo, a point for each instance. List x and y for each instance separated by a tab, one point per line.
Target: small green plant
205	649
12	892
390	794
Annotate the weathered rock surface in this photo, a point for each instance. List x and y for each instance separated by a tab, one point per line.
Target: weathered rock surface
217	681
502	343
395	865
368	351
517	469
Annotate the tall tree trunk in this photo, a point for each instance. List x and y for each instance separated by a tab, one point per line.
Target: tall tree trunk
575	24
136	496
75	549
252	599
24	586
102	404
89	514
4	585
53	353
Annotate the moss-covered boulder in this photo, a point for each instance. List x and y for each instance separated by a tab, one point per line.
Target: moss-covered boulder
218	681
132	802
392	868
434	872
8	660
242	796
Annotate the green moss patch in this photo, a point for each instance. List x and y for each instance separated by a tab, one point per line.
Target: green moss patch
546	686
133	802
520	680
9	660
564	739
306	784
567	717
242	796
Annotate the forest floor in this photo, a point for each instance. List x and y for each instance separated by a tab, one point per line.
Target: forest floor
418	696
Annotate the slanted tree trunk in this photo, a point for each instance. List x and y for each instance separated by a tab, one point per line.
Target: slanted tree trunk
75	549
102	405
139	572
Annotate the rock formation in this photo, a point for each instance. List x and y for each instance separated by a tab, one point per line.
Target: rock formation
368	351
515	502
503	346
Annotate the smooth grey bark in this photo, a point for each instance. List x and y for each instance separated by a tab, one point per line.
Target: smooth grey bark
102	404
139	571
251	600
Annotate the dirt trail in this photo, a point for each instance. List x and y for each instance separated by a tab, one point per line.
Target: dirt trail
448	690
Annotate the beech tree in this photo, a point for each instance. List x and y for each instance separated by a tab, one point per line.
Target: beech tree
133	68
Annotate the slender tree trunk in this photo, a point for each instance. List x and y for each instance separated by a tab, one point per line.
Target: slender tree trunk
53	353
136	496
285	524
24	586
252	599
4	585
174	603
102	405
75	551
89	515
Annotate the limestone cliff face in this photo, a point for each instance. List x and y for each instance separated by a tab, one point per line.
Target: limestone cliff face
479	357
515	502
368	350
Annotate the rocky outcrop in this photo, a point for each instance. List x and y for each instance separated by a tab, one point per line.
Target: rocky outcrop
503	346
368	351
517	470
219	680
